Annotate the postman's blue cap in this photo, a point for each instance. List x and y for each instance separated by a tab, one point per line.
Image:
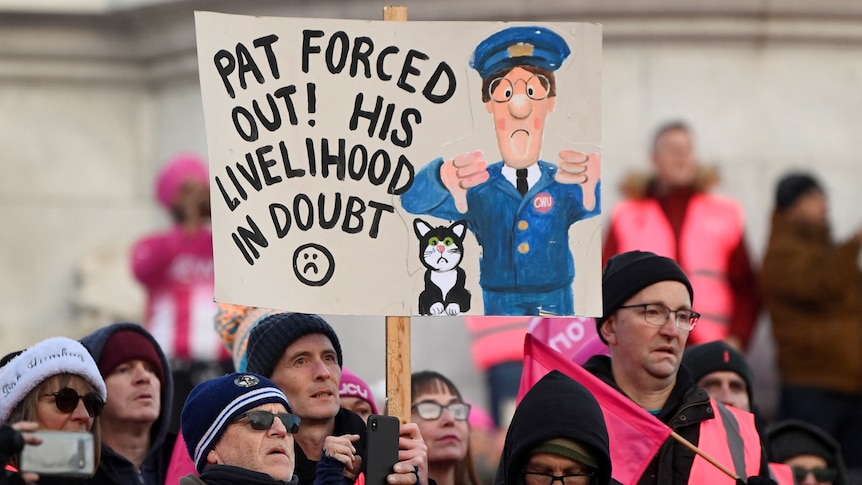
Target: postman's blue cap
520	46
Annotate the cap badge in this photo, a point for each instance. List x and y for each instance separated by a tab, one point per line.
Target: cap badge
521	49
246	380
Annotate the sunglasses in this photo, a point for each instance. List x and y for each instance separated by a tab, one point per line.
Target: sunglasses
66	400
430	410
262	420
820	474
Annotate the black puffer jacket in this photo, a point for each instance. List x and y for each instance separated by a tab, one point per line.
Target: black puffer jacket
556	407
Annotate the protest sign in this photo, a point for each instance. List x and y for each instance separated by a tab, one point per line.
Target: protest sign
356	165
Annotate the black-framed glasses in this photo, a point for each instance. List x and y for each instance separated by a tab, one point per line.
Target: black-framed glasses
820	474
537	87
66	400
539	478
658	314
431	410
262	420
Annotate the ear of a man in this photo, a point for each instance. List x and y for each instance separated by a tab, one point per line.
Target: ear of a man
609	331
213	457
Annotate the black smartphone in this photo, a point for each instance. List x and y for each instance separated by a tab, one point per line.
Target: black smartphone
381	451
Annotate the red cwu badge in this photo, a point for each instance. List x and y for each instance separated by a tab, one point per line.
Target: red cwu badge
543	202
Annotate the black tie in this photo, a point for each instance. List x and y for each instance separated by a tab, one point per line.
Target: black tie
521	179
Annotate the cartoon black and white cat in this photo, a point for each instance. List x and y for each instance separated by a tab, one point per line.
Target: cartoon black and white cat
440	250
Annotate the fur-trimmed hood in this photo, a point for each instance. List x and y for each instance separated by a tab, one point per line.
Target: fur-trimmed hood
639	185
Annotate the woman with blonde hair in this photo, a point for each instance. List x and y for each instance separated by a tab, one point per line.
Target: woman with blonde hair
54	385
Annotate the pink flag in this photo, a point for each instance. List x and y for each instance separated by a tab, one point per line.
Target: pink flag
635	435
574	337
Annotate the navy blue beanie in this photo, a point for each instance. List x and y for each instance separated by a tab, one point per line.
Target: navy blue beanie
274	334
214	404
628	273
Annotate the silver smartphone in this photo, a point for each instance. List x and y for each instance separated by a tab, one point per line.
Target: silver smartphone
64	453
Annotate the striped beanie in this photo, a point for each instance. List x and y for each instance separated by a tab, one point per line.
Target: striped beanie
214	404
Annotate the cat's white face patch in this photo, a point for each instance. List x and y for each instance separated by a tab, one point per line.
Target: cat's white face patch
443	255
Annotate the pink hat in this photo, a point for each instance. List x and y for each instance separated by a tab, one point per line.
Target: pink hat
177	172
353	386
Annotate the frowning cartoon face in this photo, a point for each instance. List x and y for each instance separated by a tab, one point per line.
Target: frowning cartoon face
313	264
520	103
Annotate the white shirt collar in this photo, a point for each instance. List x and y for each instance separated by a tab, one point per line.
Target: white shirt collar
534	173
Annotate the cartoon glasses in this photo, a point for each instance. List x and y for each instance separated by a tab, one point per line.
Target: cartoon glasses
502	89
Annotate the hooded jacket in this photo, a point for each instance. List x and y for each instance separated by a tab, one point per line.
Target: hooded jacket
114	468
556	407
794	437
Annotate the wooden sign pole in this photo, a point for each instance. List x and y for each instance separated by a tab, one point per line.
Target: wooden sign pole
398	357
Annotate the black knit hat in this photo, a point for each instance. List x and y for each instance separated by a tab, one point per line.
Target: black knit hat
794	437
628	273
793	186
718	356
274	334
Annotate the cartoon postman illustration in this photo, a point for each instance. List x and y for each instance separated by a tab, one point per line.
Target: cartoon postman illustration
520	209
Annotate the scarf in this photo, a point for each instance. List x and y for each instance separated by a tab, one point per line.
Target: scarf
232	475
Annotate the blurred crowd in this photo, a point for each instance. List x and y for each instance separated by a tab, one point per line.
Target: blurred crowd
212	394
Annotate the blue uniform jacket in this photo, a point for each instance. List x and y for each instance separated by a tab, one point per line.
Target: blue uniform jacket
525	240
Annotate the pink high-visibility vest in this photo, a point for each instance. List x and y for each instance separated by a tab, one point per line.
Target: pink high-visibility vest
712	230
732	440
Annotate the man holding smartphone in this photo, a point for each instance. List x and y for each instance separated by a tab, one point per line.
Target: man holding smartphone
302	354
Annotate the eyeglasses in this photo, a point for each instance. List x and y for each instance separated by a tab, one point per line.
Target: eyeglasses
430	410
262	420
820	474
502	89
658	314
539	478
66	400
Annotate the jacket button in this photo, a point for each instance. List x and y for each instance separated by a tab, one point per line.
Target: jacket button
523	225
523	248
682	418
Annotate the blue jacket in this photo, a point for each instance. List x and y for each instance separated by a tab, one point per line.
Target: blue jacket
525	240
